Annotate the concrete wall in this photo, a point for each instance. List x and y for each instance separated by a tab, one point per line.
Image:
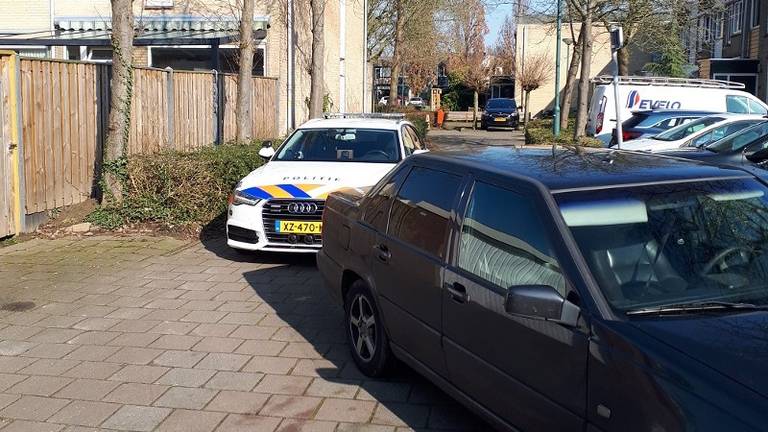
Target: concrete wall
32	15
535	39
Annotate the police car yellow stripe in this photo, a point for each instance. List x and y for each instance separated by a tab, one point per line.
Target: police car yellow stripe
276	191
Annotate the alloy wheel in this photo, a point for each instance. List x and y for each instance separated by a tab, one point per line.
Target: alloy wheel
362	327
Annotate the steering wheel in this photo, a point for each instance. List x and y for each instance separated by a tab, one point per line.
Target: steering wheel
720	256
382	153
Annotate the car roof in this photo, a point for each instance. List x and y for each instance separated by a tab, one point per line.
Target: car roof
361	123
674	112
585	169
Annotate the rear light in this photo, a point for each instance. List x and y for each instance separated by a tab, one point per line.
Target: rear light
629	135
599	125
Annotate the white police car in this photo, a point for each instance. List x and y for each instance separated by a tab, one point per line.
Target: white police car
278	207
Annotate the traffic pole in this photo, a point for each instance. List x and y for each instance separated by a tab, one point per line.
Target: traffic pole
556	122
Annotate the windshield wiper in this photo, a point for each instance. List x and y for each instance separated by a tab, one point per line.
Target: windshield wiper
704	306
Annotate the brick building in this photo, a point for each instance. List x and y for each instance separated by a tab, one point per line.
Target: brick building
345	63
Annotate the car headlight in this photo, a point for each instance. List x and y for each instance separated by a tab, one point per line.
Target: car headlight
239	197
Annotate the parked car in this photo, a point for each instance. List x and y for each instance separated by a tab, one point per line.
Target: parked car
637	93
594	290
645	124
500	112
416	102
696	133
746	149
278	206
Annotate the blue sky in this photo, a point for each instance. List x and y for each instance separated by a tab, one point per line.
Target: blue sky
494	17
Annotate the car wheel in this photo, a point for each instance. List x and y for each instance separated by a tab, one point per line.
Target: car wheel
365	331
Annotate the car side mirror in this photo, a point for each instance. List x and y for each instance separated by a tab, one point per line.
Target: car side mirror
267	152
541	302
756	156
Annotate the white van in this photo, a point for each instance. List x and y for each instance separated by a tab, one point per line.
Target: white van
644	93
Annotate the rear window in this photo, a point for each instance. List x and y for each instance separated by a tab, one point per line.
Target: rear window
682	131
501	104
635	120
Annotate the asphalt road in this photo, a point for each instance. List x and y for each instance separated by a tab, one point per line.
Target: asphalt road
453	139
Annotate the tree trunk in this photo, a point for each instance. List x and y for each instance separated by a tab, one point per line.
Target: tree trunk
623	57
121	97
527	98
394	80
474	110
244	119
586	73
317	76
573	70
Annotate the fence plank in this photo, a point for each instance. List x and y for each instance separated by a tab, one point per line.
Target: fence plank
6	203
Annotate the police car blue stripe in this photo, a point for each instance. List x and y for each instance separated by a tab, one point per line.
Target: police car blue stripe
257	193
293	190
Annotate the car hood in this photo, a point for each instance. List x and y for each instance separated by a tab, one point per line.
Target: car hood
736	345
649	144
310	179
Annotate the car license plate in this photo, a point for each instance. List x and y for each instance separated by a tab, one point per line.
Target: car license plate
500	119
298	227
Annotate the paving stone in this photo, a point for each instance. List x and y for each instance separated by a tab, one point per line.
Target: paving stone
234	381
137	418
293	425
55	335
261	347
183	359
132	313
91	353
248	423
238	402
33	408
54	367
217	344
186	377
316	368
12	348
8	380
175	342
93	370
335	389
401	414
7	399
49	350
304	350
203	310
283	384
28	426
291	406
135	339
135	326
245	318
357	427
84	413
132	355
13	364
40	385
346	410
136	394
214	330
189	398
18	333
223	361
94	338
87	389
384	391
253	332
97	324
270	365
139	374
173	328
191	421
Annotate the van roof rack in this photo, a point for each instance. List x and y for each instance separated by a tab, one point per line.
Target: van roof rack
670	82
387	116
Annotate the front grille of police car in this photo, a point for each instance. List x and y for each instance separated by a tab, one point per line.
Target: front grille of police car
277	209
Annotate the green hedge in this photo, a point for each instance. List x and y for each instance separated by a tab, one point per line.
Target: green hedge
413	115
539	132
175	188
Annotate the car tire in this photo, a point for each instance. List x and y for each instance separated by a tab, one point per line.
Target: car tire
366	336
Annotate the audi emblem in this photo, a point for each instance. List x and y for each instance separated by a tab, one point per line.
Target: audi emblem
302	207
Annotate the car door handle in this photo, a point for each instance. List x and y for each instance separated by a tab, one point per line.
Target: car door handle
382	253
458	292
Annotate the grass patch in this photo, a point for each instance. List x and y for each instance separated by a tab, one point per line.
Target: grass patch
539	132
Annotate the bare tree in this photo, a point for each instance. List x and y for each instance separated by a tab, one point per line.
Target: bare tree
244	119
317	56
534	73
504	48
121	97
573	69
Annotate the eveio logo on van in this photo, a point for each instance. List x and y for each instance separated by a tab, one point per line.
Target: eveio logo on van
635	101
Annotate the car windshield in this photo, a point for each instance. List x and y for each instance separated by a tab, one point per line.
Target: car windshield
635	120
740	139
680	243
500	104
684	130
341	145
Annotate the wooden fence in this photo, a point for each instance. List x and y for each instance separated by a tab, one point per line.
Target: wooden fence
7	216
63	109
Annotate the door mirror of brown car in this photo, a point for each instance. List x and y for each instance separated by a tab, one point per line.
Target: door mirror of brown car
541	302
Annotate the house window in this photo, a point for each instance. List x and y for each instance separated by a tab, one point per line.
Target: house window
755	13
736	16
196	58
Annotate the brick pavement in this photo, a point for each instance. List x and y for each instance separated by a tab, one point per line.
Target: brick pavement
161	334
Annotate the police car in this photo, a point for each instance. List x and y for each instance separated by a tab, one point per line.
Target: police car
278	207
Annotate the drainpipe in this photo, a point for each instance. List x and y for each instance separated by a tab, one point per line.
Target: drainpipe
365	55
51	10
342	55
291	108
